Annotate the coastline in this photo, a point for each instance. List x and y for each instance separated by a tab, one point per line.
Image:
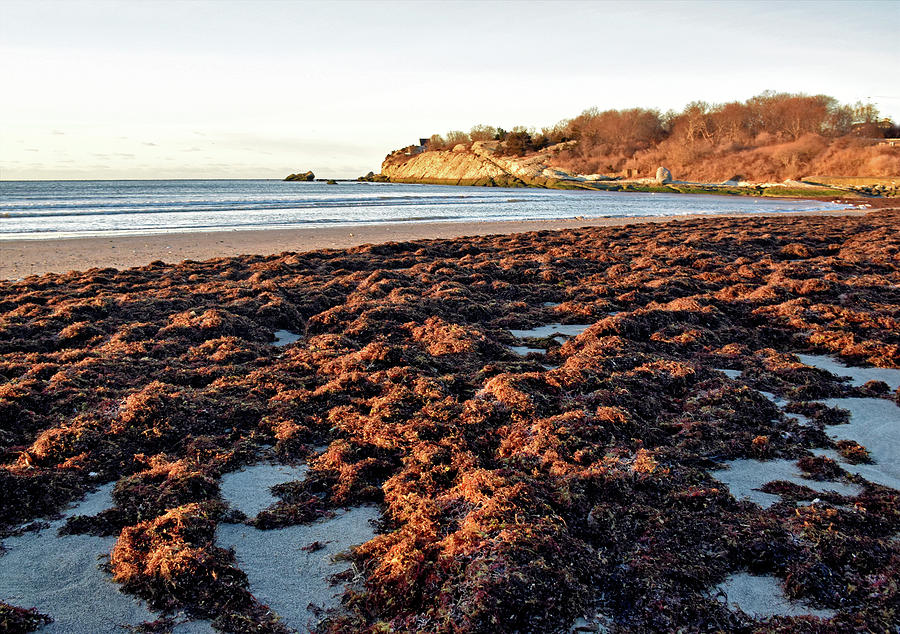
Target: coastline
22	258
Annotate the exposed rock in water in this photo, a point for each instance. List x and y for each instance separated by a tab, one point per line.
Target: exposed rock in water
372	177
301	176
447	168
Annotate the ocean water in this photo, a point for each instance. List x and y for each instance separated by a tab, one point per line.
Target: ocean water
53	209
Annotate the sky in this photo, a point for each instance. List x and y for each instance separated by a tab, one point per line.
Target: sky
258	89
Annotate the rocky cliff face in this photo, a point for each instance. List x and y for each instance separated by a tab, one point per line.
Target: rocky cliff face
481	164
443	168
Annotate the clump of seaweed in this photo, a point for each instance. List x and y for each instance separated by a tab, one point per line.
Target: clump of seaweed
820	468
14	619
853	452
172	562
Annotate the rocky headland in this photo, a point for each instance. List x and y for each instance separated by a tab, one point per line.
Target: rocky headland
485	164
480	164
778	144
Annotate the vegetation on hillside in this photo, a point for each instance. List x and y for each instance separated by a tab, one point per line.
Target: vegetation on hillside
772	136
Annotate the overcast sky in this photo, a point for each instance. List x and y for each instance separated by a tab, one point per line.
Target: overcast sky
234	89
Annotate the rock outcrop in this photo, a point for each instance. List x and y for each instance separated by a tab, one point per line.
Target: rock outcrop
663	176
444	168
487	163
372	177
481	164
301	176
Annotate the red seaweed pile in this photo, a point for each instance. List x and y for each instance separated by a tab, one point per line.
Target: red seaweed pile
518	493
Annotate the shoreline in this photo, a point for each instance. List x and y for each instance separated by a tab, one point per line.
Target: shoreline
25	257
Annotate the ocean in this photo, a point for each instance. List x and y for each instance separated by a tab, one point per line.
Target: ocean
54	209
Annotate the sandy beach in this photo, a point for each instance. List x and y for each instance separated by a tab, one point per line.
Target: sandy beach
21	258
551	429
300	336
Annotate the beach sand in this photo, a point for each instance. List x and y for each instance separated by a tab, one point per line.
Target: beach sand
515	493
21	258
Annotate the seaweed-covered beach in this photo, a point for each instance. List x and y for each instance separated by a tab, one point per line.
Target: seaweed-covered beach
506	477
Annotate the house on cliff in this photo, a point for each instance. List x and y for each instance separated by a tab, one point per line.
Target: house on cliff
417	149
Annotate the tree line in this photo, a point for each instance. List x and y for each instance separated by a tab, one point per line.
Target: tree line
764	119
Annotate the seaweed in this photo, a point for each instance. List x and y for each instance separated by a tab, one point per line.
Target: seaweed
514	497
853	452
14	619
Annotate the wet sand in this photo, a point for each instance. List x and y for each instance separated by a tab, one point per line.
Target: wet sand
21	258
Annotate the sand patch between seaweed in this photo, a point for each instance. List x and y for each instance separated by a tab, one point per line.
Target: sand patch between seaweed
249	490
291	580
744	477
858	376
60	576
557	330
524	351
762	596
285	338
874	424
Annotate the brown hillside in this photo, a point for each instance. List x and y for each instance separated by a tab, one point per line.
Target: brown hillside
770	137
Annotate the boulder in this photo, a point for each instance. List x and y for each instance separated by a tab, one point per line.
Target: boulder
301	176
372	177
559	174
663	176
